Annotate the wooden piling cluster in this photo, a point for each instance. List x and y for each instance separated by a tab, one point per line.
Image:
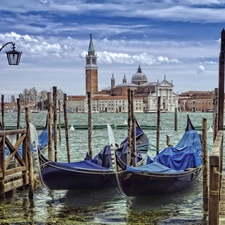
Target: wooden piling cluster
20	174
216	206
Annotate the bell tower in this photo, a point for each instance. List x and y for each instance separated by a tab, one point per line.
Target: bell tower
91	69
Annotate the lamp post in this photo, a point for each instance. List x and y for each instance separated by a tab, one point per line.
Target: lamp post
13	56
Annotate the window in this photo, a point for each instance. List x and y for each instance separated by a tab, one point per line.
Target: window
88	61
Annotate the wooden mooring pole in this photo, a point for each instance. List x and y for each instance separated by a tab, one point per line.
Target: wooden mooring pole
205	164
215	114
59	104
175	119
158	125
214	179
55	121
133	136
89	126
50	157
3	113
66	126
29	156
129	129
221	82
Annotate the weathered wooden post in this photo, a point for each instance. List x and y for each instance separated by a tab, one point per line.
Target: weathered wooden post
215	114
175	119
59	104
55	121
158	125
18	114
221	83
66	127
49	126
29	155
214	179
205	164
89	126
129	129
133	136
2	164
3	113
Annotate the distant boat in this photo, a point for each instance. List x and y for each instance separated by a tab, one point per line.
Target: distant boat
71	127
210	129
125	122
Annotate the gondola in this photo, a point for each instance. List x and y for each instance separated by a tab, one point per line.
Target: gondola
173	169
96	173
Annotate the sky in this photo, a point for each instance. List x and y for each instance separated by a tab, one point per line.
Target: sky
176	38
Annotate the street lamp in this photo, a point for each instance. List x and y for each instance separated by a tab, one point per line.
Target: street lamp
13	56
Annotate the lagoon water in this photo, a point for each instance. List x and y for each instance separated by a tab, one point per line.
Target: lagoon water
107	206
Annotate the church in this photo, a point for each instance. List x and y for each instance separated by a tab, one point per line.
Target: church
115	97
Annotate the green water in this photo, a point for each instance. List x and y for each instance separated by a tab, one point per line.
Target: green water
107	206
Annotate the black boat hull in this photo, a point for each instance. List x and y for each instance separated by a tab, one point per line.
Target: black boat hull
132	184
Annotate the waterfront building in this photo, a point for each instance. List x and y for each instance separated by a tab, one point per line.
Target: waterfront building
114	98
196	101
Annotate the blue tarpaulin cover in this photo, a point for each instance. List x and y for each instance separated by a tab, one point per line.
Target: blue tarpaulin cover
85	164
152	167
186	154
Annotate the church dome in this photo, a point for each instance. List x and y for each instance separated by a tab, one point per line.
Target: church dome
139	77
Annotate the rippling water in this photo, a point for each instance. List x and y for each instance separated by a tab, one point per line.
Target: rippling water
107	206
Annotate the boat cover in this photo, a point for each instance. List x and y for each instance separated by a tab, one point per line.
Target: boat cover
186	154
103	158
152	167
85	164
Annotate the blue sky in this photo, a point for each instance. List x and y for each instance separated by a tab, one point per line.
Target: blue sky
176	38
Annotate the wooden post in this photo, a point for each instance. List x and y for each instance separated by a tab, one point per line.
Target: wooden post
214	181
221	82
129	129
3	113
49	126
215	114
89	126
134	152
59	104
175	119
66	127
2	164
29	156
158	125
55	121
205	164
18	114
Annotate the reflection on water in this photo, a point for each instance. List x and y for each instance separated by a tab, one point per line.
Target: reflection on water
107	206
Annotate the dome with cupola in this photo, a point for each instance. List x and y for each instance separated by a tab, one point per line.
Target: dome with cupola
139	77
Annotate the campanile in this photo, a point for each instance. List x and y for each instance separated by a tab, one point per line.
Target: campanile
91	69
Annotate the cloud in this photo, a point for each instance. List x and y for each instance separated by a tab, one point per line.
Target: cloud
200	69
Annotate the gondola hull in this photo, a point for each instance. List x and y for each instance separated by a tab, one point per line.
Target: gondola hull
56	176
136	184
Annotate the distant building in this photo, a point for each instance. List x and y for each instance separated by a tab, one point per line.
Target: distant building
114	97
196	101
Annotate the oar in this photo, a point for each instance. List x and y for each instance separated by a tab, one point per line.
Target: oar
112	144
